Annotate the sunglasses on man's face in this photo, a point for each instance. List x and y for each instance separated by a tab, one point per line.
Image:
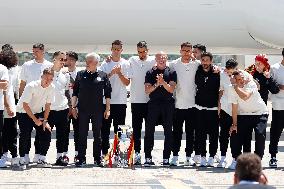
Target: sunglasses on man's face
63	59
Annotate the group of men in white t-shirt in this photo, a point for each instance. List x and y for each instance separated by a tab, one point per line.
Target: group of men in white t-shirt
45	101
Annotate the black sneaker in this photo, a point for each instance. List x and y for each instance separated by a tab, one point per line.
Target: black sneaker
148	162
98	164
273	162
59	161
166	162
76	159
80	163
65	160
43	164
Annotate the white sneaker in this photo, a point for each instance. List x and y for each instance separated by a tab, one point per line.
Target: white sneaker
217	159
189	162
4	162
22	163
210	162
233	165
15	162
137	159
197	159
36	158
174	161
222	163
203	162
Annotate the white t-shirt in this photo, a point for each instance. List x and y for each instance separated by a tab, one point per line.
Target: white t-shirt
225	85
13	88
185	89
277	72
61	83
138	69
3	76
36	96
32	71
119	91
252	106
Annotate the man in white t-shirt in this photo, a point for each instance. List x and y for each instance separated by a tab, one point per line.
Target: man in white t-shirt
58	115
184	103
225	108
277	124
32	71
139	65
33	110
118	73
4	79
72	58
249	112
8	58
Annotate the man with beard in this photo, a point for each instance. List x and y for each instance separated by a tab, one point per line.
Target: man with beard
139	65
206	100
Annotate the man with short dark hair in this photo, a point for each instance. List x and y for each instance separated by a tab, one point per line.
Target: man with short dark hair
198	49
206	101
184	103
139	65
249	174
118	73
249	112
58	116
32	71
71	59
225	109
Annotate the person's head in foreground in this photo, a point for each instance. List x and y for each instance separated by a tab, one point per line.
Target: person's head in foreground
249	173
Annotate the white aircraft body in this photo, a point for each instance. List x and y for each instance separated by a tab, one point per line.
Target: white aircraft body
224	26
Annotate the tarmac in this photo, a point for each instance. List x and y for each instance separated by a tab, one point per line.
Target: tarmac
155	177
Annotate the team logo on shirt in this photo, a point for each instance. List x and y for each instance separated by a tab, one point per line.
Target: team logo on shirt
99	79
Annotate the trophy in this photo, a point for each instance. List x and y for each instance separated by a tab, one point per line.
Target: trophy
121	154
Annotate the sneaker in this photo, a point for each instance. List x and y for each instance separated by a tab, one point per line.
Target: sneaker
98	163
80	163
222	163
27	159
273	162
203	162
65	160
217	159
210	162
189	162
174	161
148	162
43	164
36	158
197	159
166	162
4	162
15	162
59	161
233	165
137	160
22	163
76	159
